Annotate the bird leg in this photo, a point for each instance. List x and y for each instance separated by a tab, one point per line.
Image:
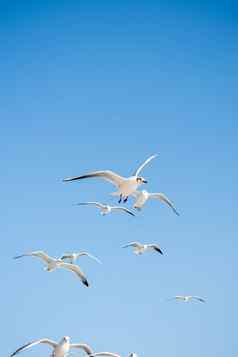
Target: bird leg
125	199
120	198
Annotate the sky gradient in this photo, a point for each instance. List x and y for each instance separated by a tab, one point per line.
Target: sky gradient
90	85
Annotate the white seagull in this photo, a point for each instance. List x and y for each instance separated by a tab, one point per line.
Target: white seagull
105	209
187	298
74	256
139	248
53	264
60	349
143	196
126	185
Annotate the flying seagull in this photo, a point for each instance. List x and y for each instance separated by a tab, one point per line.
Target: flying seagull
52	264
125	185
60	349
139	248
187	298
74	256
105	209
143	196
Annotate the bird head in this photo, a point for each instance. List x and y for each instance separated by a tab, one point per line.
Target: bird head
66	339
140	180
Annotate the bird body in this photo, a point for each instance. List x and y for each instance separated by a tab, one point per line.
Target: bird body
125	185
60	349
139	248
52	264
187	298
106	209
142	196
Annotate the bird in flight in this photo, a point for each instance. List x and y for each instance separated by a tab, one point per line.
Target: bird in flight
74	256
142	196
60	349
139	248
52	264
126	185
187	298
111	354
105	209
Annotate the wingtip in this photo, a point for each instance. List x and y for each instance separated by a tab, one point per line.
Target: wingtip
86	283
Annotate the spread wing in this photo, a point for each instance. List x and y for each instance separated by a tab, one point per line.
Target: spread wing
132	244
75	268
107	175
199	299
83	346
163	198
108	354
34	343
97	204
124	209
90	256
136	173
156	248
39	254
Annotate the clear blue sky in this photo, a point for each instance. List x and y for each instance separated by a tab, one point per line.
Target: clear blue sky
89	85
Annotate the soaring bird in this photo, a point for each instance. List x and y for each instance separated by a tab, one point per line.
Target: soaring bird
105	209
126	185
187	298
139	248
52	264
74	256
60	349
142	196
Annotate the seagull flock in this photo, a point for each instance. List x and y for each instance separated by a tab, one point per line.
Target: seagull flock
126	186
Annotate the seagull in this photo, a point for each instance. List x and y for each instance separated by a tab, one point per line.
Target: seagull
53	264
139	248
126	185
74	256
143	196
105	209
60	349
188	298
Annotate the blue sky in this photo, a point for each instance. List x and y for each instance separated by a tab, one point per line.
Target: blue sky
98	85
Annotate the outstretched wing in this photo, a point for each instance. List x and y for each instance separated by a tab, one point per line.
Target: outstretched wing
106	175
199	299
75	268
108	354
90	256
67	256
97	204
34	343
83	346
136	173
156	248
162	197
124	209
39	254
132	244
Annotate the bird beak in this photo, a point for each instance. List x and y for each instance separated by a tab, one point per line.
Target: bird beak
144	181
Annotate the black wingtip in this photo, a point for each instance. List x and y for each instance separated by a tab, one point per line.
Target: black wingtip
86	283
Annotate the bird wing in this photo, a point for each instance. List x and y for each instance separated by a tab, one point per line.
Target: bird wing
83	346
156	247
40	254
90	256
30	344
199	298
75	268
132	244
123	209
66	256
107	175
136	173
179	297
97	204
162	197
109	354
